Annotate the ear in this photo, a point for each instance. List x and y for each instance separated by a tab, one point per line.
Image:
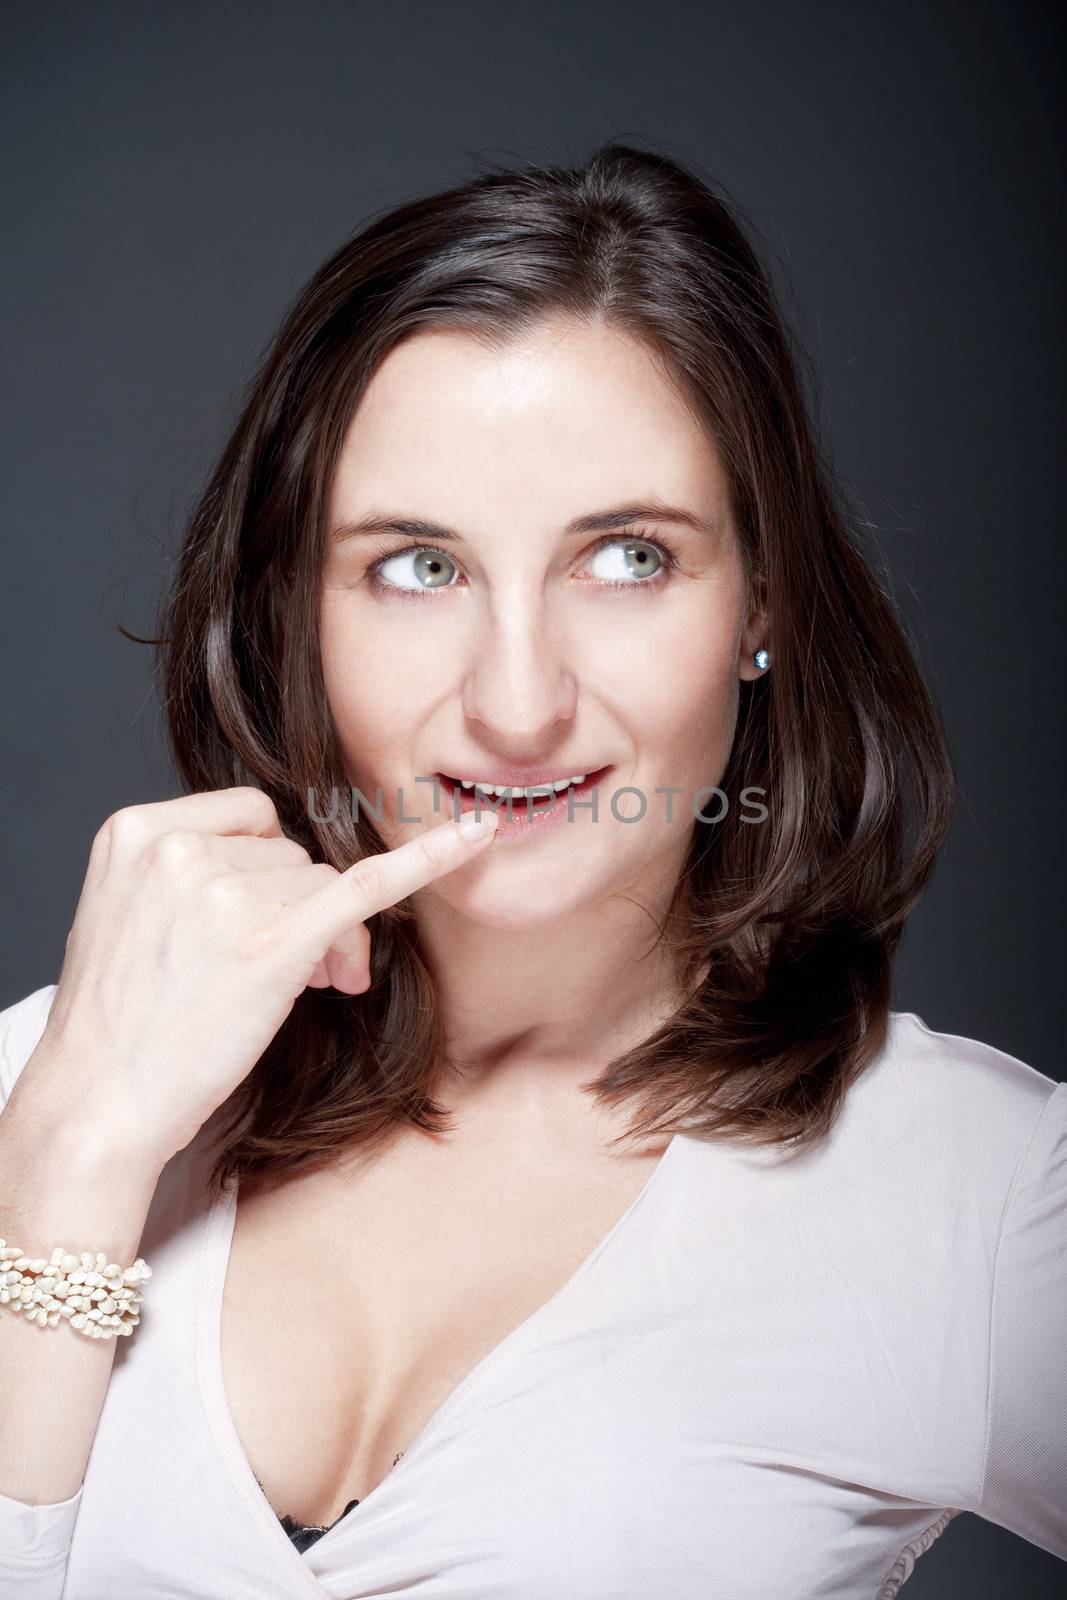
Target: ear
756	633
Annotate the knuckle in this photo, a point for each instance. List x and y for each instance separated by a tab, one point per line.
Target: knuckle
124	828
174	851
430	847
221	896
365	880
260	803
430	853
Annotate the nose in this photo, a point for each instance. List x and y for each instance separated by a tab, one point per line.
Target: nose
520	691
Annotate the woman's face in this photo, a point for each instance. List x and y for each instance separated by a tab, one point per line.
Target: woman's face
506	637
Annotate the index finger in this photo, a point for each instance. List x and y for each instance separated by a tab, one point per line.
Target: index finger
381	880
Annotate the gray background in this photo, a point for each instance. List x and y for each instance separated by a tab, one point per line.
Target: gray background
174	174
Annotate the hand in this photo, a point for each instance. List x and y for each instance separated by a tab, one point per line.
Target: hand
198	925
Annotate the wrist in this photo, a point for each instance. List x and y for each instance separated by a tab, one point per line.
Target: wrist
66	1131
78	1193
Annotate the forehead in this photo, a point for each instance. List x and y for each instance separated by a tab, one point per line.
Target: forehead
568	412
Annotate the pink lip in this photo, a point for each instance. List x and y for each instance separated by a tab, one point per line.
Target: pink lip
518	819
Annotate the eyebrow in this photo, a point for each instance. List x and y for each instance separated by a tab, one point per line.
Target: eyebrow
616	517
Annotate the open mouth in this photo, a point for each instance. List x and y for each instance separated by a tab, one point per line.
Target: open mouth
518	801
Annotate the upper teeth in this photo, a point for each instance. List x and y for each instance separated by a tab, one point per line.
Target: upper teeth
502	790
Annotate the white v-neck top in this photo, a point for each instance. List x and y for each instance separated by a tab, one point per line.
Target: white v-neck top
776	1375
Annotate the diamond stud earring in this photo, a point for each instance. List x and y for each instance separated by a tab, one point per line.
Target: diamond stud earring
762	659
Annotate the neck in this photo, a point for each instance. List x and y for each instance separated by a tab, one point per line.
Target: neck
535	1012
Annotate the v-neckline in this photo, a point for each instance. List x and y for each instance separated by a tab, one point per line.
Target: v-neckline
208	1300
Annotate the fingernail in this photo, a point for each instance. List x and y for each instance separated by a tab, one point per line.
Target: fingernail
473	827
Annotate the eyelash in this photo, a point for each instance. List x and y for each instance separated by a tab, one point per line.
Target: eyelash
667	551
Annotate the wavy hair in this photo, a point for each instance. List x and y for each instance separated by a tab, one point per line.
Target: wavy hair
784	934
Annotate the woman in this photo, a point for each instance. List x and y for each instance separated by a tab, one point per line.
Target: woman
562	1210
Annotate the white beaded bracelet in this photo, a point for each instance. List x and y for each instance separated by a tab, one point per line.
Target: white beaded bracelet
98	1297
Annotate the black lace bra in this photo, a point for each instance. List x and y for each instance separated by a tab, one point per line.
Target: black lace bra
304	1534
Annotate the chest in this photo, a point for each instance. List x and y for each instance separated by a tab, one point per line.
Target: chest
729	1397
352	1309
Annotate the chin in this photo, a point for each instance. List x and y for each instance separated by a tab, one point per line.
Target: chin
542	904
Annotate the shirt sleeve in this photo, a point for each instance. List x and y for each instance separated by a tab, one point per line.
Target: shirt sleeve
1024	1484
35	1540
35	1544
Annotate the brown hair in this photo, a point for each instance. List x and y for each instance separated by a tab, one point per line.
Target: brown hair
784	932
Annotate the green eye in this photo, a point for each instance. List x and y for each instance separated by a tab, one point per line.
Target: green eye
433	569
629	558
619	561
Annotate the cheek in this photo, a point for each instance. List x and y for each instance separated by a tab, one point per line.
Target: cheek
691	677
688	705
360	684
